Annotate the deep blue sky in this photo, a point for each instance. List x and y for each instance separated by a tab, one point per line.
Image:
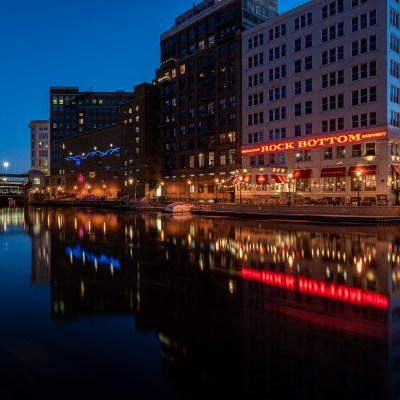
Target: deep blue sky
92	44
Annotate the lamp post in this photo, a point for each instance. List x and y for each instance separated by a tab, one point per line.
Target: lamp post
358	188
290	176
6	165
216	190
75	187
104	192
189	183
240	189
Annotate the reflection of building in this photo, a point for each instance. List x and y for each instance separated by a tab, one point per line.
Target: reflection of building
40	146
317	77
200	96
239	307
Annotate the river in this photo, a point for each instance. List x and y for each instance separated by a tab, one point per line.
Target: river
149	306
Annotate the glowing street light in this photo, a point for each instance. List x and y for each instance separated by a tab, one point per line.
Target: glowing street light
216	192
6	165
290	176
189	183
358	187
240	189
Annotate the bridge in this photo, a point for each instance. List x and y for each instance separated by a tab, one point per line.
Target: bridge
12	186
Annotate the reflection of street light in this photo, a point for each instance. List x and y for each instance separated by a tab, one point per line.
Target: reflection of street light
240	189
358	188
6	165
290	176
189	183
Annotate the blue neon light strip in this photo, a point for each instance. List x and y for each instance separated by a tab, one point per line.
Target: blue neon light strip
93	153
102	259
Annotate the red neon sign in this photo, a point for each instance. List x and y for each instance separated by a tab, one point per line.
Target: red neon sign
315	288
314	142
81	178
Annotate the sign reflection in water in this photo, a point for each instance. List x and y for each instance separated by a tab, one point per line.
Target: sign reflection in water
252	308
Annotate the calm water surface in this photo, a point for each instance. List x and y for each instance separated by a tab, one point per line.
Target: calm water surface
151	306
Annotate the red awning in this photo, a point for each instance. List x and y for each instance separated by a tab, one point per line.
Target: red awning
364	170
333	172
301	173
396	168
261	179
279	178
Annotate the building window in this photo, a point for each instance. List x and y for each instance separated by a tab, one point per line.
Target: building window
328	153
340	152
356	150
370	149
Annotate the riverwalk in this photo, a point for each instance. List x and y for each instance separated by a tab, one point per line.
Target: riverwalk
374	215
366	215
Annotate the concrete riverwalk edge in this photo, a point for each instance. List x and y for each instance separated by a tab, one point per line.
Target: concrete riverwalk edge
374	215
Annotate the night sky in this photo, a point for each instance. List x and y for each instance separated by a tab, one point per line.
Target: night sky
96	45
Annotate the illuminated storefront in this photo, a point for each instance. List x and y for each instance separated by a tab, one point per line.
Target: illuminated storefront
336	168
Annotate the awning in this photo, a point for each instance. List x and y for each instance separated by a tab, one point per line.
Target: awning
364	170
301	173
396	168
333	172
261	179
279	178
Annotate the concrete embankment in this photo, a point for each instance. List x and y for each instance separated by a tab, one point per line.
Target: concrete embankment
322	214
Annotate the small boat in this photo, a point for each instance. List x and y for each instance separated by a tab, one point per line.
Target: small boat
178	207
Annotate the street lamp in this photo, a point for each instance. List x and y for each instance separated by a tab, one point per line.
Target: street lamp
216	190
6	165
189	183
75	187
104	191
240	189
358	187
290	176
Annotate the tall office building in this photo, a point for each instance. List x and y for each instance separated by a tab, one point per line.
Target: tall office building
321	104
120	158
200	97
40	146
72	113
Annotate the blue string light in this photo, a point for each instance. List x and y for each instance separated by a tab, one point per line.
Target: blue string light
93	153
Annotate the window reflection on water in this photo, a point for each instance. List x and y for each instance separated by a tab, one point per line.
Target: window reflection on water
266	307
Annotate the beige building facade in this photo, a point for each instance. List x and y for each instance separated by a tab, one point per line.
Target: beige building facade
321	105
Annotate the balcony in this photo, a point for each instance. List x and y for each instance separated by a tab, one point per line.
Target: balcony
168	63
207	96
226	20
207	64
207	79
225	37
163	80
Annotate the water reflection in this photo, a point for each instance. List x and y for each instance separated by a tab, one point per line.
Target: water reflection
252	309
